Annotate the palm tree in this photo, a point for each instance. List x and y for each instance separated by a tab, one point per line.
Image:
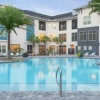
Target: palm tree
95	5
11	18
45	39
57	40
33	39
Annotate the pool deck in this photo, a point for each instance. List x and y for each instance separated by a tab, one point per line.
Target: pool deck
49	96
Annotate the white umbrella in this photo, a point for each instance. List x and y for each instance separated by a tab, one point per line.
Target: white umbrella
53	44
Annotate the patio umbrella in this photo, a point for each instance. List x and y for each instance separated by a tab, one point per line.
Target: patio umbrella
53	44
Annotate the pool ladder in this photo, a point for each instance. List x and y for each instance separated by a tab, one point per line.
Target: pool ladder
59	84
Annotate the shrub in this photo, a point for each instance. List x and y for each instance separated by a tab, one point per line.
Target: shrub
25	54
80	54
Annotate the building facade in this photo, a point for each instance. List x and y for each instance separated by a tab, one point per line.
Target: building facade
78	30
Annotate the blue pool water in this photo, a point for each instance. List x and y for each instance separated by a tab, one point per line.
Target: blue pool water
39	74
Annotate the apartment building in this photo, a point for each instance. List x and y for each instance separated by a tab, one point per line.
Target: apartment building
78	30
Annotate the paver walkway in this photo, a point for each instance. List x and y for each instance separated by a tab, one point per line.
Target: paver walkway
49	96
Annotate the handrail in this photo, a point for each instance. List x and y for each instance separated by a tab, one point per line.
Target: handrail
59	84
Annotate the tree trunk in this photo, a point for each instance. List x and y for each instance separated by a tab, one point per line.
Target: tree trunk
33	48
45	46
9	57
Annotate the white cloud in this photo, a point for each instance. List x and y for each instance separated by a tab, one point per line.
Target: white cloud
48	7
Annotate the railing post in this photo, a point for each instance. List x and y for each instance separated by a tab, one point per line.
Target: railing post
61	84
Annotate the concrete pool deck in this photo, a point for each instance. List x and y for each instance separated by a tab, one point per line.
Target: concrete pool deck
49	96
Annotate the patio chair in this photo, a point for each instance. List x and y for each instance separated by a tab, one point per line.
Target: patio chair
17	54
56	53
32	54
86	54
93	54
12	54
4	54
0	54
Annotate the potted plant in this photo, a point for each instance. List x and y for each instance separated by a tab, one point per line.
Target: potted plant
80	54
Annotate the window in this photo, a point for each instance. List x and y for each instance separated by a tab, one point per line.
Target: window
92	35
90	47
85	47
62	25
15	48
54	26
62	37
87	20
79	47
3	34
29	48
83	36
3	48
74	24
42	25
74	36
49	26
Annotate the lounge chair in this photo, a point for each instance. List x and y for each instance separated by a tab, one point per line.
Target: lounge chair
32	54
11	54
56	53
4	54
21	53
0	54
93	54
86	54
17	54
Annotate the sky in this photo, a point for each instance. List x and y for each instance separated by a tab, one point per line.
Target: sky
48	7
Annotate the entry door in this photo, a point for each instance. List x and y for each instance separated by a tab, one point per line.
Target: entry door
29	48
62	49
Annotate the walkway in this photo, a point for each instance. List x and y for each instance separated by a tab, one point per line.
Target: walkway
49	96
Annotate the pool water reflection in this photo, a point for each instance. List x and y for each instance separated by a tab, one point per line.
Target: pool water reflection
38	74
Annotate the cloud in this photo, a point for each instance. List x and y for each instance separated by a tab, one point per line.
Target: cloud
49	7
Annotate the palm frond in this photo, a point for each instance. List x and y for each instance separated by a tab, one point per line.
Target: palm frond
11	17
14	31
2	31
95	5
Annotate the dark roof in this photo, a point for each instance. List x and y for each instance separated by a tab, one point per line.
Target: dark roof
47	17
43	16
85	6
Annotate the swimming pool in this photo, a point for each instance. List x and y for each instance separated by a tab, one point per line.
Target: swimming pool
39	74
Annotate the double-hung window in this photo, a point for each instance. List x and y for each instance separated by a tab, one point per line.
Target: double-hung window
74	36
62	26
62	37
86	20
83	36
42	25
74	24
92	35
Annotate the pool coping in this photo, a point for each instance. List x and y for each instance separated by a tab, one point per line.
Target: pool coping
65	56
